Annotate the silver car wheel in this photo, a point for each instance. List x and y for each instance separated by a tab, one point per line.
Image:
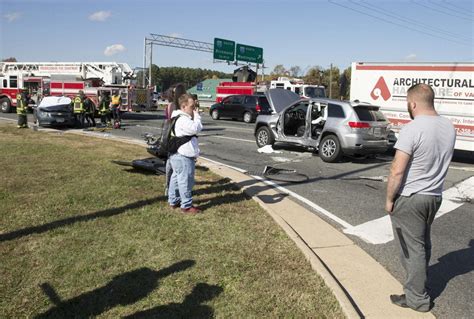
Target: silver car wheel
329	148
262	138
215	115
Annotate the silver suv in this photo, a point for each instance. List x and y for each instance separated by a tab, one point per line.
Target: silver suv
334	128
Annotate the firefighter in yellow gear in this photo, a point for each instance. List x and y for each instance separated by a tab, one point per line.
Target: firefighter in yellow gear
115	108
21	105
78	109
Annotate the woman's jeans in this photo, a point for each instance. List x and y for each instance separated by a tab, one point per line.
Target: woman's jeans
181	181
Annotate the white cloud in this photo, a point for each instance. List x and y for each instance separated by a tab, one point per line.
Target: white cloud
175	35
100	16
114	49
411	57
12	16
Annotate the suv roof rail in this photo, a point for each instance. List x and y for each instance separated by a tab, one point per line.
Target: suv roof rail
359	103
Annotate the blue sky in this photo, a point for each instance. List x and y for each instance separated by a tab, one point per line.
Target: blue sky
302	33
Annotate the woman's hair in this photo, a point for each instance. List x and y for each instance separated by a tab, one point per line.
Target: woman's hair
179	90
169	94
184	98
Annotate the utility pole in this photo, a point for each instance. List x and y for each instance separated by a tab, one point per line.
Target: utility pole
330	81
151	59
144	63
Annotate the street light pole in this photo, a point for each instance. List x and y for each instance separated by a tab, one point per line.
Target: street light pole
144	63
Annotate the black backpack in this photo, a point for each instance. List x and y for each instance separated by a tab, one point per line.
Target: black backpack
169	143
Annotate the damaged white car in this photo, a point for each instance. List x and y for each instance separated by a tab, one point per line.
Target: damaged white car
334	128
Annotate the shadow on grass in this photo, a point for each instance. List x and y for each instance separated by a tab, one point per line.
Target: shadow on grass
123	289
191	307
221	200
75	219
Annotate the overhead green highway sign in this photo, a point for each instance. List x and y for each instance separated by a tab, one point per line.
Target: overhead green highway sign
224	49
249	53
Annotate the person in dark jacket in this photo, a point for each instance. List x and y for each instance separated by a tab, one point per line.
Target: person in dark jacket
21	106
104	109
90	111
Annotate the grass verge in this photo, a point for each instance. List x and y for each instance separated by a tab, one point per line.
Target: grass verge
81	237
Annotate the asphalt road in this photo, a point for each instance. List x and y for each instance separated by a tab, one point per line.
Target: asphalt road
352	193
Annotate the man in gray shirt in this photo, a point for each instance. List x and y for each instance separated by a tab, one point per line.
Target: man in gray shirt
423	152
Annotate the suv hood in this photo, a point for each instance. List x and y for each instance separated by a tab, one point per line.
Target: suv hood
279	99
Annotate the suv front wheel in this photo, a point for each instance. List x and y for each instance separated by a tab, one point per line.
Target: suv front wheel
215	115
330	149
264	137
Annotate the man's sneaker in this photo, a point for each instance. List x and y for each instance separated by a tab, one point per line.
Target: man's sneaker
191	210
175	205
399	300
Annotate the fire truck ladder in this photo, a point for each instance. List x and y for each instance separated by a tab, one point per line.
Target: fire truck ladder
86	69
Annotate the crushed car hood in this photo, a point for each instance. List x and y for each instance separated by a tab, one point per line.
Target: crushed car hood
279	99
55	104
52	101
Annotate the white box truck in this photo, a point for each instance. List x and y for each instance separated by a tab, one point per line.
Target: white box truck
386	84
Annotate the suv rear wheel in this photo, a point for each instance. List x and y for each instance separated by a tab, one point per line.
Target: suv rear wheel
264	137
215	115
330	149
247	117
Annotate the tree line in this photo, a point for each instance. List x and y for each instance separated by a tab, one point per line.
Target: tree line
333	79
165	77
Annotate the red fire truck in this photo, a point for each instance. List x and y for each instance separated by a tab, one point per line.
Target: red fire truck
67	79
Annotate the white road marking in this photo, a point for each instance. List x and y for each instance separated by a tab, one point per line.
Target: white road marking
379	231
468	169
222	164
149	127
316	207
283	159
232	128
231	138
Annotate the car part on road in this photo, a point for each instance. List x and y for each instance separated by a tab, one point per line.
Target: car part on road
284	175
264	137
152	164
330	149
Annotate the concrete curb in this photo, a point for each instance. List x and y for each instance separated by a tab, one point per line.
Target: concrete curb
359	283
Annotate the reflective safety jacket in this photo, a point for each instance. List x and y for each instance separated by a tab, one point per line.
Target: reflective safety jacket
20	104
78	105
116	99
